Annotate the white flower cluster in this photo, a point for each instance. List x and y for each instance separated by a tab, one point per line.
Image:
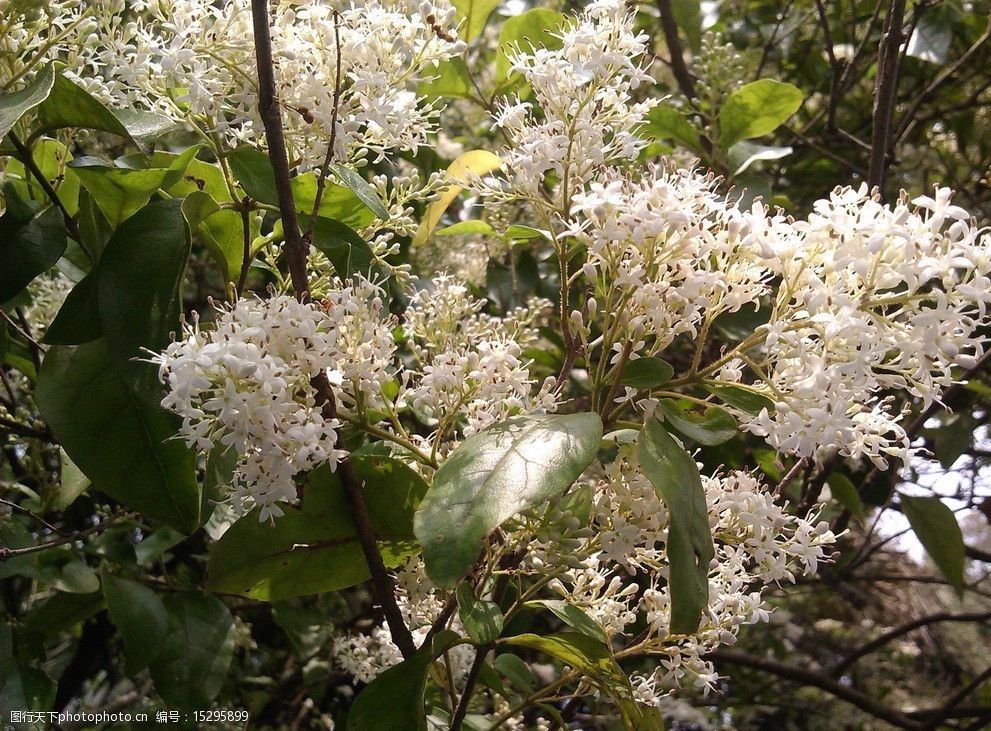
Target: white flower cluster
584	92
471	366
246	384
666	252
873	298
364	656
194	60
617	572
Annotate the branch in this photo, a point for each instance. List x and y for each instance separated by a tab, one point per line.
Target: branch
678	66
943	713
6	553
816	680
22	430
268	109
885	86
903	629
296	251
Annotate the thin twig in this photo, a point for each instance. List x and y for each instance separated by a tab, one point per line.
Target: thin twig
6	553
31	514
27	159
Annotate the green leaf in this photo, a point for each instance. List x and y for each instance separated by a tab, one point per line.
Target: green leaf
527	31
741	398
573	617
119	192
144	127
450	79
492	476
192	665
756	109
361	188
394	700
348	252
481	619
515	670
16	104
845	493
141	618
473	14
72	484
713	427
78	320
664	122
138	291
315	548
69	105
125	446
675	477
28	248
646	372
254	174
223	235
937	529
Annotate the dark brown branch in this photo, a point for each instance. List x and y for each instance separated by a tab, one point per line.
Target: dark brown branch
296	251
31	514
678	66
22	430
885	87
896	632
246	252
816	680
268	109
956	699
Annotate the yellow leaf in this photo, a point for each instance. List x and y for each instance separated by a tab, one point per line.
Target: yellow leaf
476	162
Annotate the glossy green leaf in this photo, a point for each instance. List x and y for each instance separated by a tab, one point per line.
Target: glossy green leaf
845	493
78	320
741	398
710	428
573	617
450	79
646	372
119	192
141	618
515	670
28	248
348	252
481	619
937	529
492	476
394	700
72	484
192	665
125	446
15	104
744	154
138	291
361	188
472	15
144	127
756	109
664	122
69	105
675	477
315	548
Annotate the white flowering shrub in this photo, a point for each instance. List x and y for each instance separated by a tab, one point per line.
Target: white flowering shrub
549	412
